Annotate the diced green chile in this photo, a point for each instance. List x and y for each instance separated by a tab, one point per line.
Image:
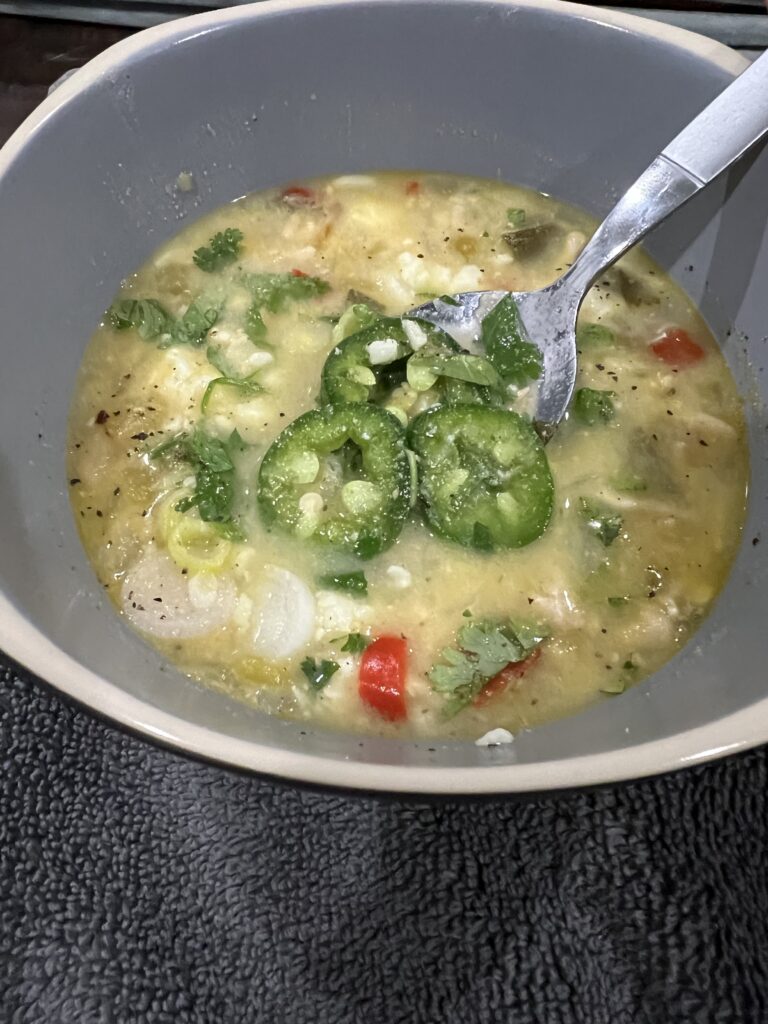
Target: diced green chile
485	480
592	407
371	444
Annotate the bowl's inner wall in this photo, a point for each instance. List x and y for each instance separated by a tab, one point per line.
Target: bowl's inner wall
547	99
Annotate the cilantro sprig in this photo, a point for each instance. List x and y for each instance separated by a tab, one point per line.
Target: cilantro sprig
212	461
483	650
154	323
222	250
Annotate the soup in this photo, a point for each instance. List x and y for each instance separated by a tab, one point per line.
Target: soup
331	511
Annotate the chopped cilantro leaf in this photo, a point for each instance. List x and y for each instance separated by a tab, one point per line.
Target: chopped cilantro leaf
214	468
319	674
146	316
516	360
516	216
355	643
484	649
193	327
469	368
222	249
153	322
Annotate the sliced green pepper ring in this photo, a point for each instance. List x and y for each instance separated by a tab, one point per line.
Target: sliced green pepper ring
339	475
366	366
485	480
369	365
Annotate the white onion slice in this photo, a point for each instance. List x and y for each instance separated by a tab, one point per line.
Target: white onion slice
283	615
157	600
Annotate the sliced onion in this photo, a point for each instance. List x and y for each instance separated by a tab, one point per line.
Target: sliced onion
157	599
283	615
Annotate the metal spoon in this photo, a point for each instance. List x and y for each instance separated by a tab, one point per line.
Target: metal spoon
717	137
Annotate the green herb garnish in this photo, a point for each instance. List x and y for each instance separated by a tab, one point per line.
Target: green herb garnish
320	673
355	643
193	327
351	582
516	360
604	523
483	650
468	368
212	462
152	321
515	216
273	292
222	249
146	316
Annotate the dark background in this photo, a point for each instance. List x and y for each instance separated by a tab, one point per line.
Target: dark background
138	886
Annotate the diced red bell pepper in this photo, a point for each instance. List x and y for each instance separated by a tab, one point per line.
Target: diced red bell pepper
412	188
298	273
299	195
499	682
383	669
677	348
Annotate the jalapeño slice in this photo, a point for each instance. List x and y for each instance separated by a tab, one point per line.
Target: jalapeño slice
485	480
339	475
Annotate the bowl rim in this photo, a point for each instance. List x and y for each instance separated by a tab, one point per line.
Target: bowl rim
21	639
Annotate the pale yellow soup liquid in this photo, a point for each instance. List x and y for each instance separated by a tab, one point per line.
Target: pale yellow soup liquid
673	462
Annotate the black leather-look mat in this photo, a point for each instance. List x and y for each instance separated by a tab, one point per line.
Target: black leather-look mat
138	886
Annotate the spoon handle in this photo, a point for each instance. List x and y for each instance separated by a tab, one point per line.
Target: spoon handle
717	137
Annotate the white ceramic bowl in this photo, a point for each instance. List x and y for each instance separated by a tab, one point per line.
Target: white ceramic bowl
571	100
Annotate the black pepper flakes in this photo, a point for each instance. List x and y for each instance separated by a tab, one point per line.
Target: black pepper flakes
102	416
74	481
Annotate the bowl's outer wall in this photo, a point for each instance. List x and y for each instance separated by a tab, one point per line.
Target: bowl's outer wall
548	99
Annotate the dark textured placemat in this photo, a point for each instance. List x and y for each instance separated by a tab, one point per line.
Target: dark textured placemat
137	886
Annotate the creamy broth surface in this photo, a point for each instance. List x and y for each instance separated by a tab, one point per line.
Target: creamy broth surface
650	473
